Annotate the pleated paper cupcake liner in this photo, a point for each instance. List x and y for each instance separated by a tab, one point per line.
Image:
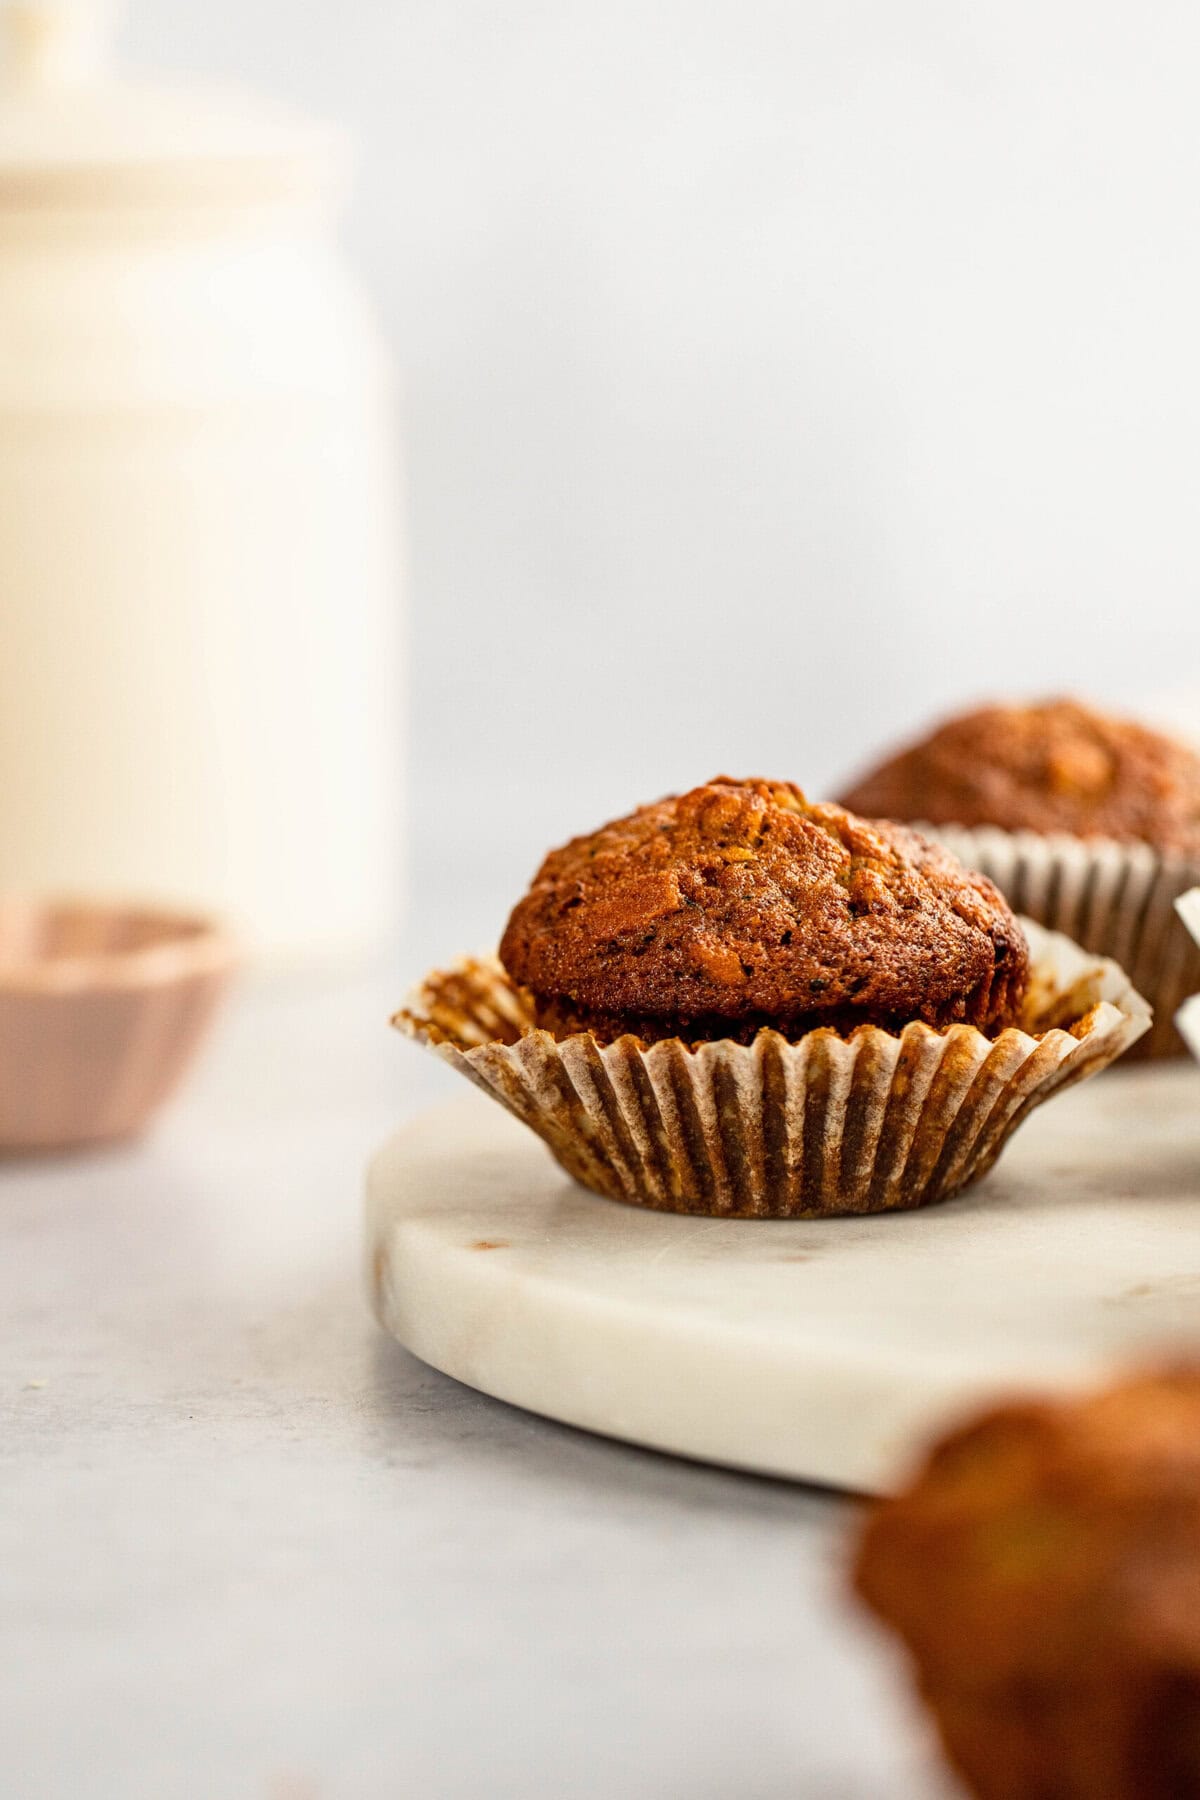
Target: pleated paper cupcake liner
1116	900
1187	1019
874	1122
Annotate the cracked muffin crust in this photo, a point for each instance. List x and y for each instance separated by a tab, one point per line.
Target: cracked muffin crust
1056	765
742	905
1044	1571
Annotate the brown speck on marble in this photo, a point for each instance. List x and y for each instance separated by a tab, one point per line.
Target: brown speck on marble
378	1271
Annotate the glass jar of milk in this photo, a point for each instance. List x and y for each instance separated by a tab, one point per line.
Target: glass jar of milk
199	608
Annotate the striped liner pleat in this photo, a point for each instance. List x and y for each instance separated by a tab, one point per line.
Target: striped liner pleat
876	1122
1115	900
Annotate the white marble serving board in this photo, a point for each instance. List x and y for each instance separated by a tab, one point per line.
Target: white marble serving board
824	1351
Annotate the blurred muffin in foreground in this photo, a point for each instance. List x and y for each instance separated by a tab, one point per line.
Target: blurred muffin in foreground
1087	823
1044	1571
741	906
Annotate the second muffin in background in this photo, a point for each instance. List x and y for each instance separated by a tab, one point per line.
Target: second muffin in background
1088	823
1053	765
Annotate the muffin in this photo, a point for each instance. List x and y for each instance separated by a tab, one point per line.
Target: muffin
738	1003
1044	1572
1053	766
1087	823
741	907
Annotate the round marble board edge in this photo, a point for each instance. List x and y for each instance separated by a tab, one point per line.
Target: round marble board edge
823	1350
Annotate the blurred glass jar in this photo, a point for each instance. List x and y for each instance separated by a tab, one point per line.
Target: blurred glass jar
199	663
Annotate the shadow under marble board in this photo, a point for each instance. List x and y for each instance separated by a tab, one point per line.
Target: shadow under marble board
823	1350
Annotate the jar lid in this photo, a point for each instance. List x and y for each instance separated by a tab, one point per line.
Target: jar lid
71	134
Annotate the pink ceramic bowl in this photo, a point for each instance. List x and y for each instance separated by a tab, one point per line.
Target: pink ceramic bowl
101	1010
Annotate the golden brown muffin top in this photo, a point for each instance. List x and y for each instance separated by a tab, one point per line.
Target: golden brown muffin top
1044	1570
741	905
1056	765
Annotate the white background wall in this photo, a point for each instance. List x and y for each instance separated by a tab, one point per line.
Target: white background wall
775	373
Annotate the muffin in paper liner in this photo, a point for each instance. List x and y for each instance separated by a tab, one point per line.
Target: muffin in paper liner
1187	1019
873	1122
1113	899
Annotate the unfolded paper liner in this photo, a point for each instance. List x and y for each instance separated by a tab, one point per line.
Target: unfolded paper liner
1187	1019
874	1122
1116	900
